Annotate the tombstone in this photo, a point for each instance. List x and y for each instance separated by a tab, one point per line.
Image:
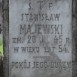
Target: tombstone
38	38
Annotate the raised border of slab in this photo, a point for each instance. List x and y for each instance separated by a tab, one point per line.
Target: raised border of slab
5	10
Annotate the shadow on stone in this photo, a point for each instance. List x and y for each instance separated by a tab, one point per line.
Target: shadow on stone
1	68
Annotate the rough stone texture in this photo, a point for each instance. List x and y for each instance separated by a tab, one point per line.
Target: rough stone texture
74	30
1	67
6	38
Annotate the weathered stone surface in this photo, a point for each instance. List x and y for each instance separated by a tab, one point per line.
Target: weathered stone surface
5	11
17	11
